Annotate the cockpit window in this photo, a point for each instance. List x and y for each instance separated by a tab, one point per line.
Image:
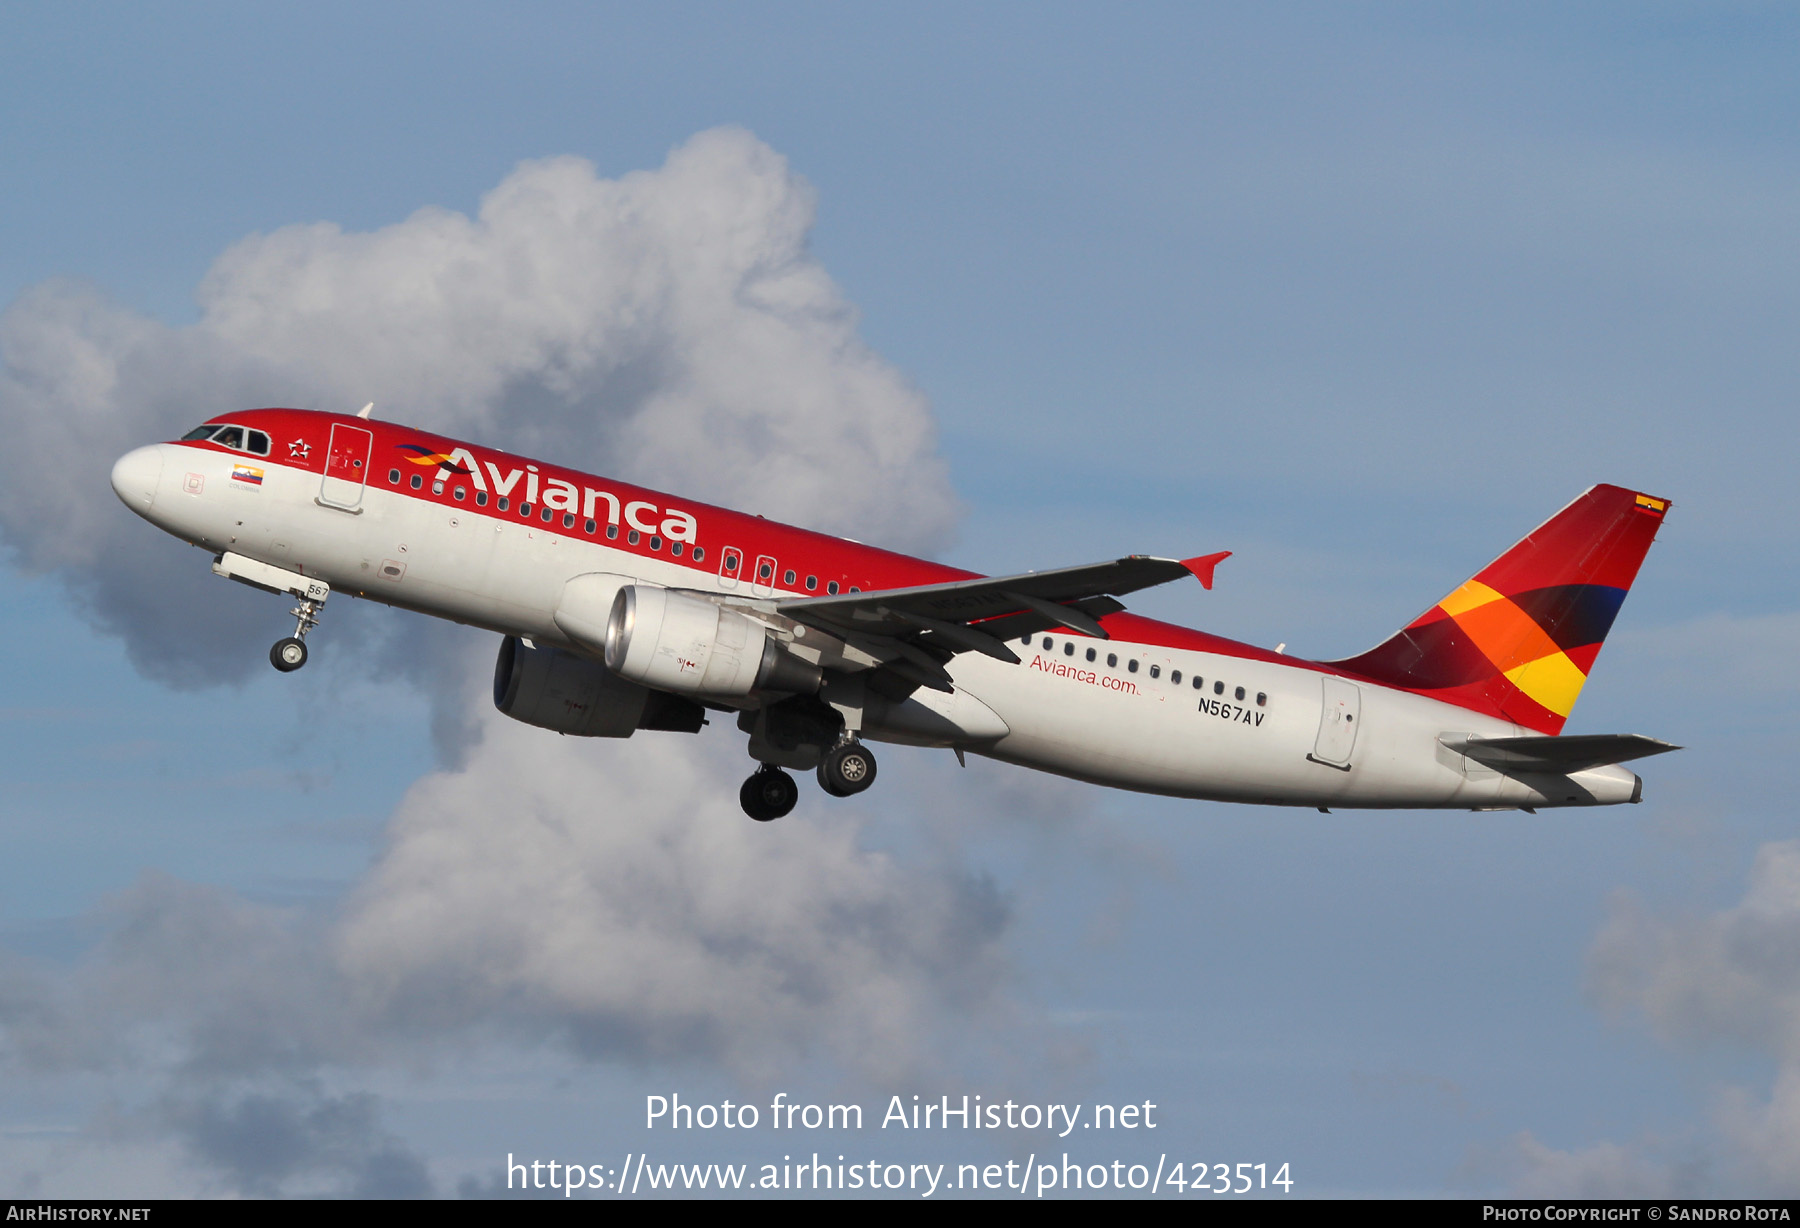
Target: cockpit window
230	437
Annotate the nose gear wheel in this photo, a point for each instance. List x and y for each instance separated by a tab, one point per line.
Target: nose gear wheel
290	654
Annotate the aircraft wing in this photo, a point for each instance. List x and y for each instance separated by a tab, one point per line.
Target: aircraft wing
928	624
1560	755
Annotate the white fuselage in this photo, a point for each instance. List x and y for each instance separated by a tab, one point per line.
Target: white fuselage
1255	730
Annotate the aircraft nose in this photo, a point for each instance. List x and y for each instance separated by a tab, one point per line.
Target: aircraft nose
135	476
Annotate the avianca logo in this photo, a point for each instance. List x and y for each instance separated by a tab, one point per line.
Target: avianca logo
559	495
424	456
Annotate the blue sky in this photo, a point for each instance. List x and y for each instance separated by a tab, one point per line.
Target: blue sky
1360	294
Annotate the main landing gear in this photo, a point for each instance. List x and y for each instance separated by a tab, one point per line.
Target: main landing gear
769	794
846	770
290	654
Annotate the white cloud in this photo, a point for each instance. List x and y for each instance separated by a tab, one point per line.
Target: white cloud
1605	1170
1731	979
615	895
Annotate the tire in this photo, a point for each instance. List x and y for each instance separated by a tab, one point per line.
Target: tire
768	795
847	770
826	784
288	655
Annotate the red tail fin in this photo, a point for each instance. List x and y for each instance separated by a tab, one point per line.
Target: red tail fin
1519	639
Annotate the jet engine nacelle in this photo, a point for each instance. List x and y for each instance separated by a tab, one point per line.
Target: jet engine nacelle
674	642
558	690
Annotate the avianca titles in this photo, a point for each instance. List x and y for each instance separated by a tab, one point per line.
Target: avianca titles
624	609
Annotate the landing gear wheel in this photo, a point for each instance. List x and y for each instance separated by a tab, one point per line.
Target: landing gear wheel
288	655
768	794
847	770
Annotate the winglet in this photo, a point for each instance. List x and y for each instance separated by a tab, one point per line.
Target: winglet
1202	567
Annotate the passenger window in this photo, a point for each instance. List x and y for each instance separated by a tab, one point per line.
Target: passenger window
699	554
1175	677
612	531
1240	693
1156	671
831	587
548	515
259	443
1049	643
787	577
568	520
481	498
633	538
588	527
1262	699
675	549
854	589
1112	660
655	542
458	492
1218	688
394	477
1091	654
417	481
812	582
1069	648
1132	665
1198	682
437	488
500	504
764	572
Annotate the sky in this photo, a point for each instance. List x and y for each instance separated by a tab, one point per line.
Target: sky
1359	293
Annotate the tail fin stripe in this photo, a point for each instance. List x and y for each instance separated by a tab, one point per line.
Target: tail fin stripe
1519	639
1573	614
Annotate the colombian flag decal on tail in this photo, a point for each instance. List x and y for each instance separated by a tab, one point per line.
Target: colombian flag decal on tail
1519	639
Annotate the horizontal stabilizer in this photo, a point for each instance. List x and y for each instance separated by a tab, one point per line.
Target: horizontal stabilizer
1560	755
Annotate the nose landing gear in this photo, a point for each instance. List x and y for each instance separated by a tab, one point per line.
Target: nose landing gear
290	654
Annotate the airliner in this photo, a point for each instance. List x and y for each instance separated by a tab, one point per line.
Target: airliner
624	609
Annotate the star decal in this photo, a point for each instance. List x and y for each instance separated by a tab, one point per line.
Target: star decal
299	449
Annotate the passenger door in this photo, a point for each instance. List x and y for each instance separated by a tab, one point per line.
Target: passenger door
346	467
1337	722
